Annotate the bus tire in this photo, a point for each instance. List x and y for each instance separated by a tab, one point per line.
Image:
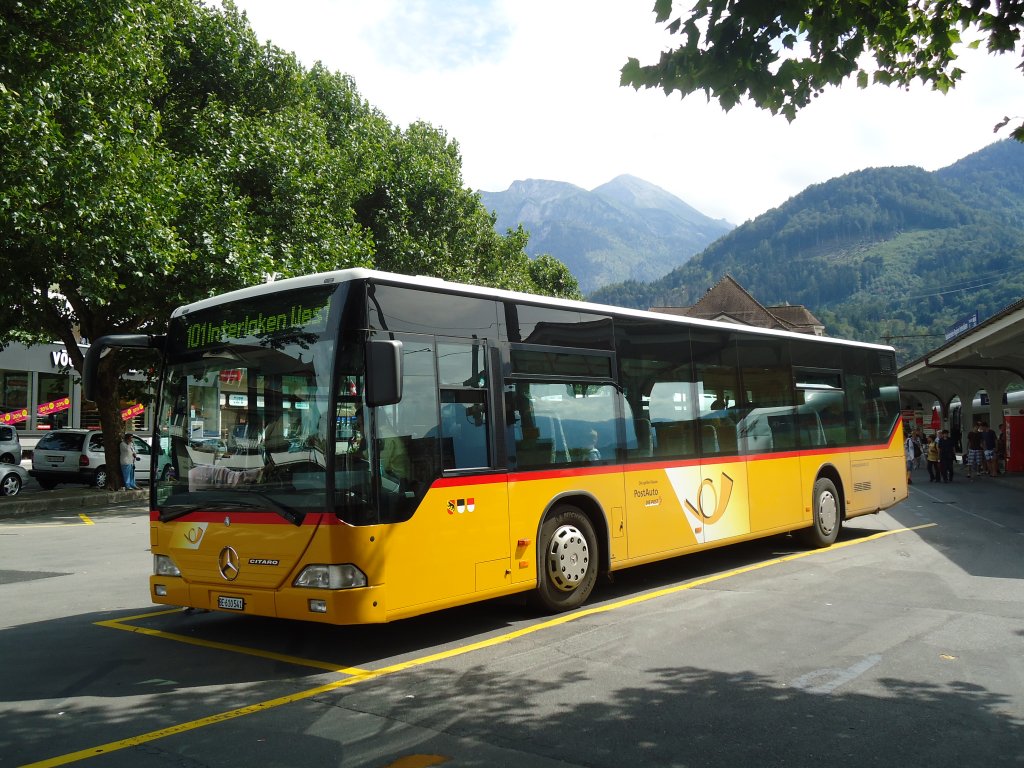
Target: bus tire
568	562
828	518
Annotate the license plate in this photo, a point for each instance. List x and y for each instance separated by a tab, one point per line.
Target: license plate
231	603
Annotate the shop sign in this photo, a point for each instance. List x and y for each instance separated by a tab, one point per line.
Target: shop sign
132	412
60	360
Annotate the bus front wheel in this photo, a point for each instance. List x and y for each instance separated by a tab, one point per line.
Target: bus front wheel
828	518
568	560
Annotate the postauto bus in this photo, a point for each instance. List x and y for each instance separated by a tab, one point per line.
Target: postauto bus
358	446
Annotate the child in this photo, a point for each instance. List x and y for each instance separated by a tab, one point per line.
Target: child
932	457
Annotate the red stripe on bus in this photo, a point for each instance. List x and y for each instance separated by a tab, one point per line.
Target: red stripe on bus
269	517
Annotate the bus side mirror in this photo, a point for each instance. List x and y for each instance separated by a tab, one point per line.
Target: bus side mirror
90	369
383	372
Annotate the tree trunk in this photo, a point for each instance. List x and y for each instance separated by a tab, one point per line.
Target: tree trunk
108	402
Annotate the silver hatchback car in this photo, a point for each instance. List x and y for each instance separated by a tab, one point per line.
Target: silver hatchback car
10	445
76	456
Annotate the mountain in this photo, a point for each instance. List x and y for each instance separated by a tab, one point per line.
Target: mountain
891	255
627	229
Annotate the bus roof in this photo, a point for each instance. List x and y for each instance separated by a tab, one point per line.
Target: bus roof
437	284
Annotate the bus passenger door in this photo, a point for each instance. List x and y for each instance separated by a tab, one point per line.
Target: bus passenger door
721	503
660	498
456	542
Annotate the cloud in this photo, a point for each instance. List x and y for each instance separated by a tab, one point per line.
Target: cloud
436	36
530	89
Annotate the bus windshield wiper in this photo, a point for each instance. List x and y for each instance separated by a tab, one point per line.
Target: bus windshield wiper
293	516
219	504
174	511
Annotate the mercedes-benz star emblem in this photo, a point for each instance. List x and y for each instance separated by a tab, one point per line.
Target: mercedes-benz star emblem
227	562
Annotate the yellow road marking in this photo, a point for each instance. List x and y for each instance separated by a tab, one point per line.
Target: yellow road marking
70	524
297	660
359	676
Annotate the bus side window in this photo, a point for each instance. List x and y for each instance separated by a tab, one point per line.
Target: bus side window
465	423
463	433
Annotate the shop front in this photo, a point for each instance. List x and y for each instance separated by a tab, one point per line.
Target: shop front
40	392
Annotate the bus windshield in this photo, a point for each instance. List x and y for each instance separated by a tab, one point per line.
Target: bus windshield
244	412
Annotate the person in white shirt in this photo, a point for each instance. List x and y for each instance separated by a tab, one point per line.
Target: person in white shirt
128	457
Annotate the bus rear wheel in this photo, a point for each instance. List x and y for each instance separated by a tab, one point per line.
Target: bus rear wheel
828	518
568	560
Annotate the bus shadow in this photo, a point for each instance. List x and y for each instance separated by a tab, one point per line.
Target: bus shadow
370	646
644	712
170	650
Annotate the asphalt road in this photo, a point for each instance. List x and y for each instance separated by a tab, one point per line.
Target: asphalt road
902	645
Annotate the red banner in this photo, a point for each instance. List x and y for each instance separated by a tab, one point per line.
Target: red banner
131	413
54	406
14	417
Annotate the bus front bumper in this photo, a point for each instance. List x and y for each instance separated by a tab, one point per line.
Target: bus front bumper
364	605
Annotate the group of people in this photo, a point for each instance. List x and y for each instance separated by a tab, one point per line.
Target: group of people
985	450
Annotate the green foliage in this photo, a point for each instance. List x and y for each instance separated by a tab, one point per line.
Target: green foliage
548	272
155	153
782	54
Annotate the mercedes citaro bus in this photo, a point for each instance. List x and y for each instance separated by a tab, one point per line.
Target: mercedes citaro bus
358	446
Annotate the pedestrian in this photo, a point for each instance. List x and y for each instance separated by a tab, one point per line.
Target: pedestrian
974	452
918	448
908	452
932	457
947	456
128	457
988	445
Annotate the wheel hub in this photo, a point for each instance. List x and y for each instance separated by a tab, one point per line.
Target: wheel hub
568	558
828	512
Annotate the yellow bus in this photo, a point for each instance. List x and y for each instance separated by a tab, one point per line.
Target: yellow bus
358	446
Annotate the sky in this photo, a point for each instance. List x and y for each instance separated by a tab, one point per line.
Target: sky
530	90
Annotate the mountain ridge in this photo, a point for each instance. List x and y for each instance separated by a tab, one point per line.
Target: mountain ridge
883	254
599	234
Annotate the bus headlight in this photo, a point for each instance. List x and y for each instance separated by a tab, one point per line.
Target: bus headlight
343	576
164	566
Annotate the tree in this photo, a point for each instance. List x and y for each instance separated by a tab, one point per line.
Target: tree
782	54
156	153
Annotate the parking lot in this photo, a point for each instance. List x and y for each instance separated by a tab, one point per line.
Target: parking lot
904	644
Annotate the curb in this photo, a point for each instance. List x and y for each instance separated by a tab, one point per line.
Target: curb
50	501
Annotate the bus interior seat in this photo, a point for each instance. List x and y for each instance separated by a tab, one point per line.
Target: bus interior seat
675	438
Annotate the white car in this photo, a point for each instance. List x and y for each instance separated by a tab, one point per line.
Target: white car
76	456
